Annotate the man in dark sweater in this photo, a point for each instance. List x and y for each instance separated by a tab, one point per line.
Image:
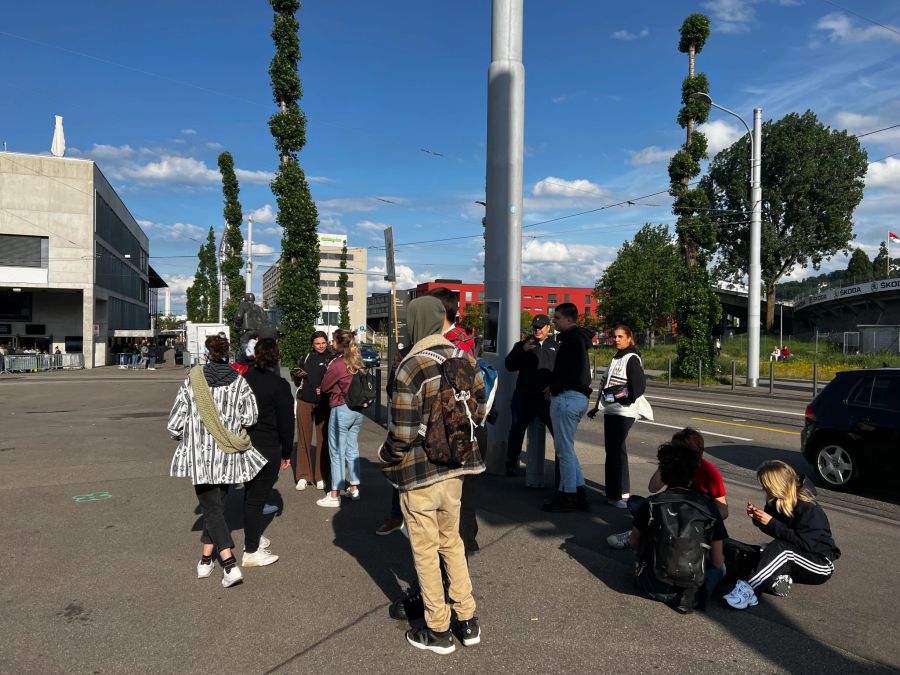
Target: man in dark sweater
533	360
570	389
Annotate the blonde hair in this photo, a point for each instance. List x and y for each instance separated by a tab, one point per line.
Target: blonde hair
782	486
347	340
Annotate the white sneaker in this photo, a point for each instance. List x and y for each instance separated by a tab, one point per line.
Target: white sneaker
301	484
232	577
259	558
619	541
263	542
320	485
742	596
618	503
269	509
204	570
329	502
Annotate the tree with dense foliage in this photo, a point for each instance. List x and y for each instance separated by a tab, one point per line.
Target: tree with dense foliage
640	287
812	180
232	261
697	308
343	297
859	268
298	291
881	268
203	294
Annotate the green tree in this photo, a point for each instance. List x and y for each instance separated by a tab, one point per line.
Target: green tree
233	261
343	298
880	266
203	295
859	268
298	291
697	307
525	321
629	295
812	180
473	316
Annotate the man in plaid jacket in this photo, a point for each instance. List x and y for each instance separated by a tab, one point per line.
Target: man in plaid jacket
430	494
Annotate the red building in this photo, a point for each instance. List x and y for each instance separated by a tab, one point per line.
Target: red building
535	299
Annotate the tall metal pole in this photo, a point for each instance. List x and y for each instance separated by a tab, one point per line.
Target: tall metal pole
755	243
503	231
249	283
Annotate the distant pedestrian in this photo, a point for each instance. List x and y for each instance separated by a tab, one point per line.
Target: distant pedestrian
622	402
718	346
312	414
532	359
209	418
343	424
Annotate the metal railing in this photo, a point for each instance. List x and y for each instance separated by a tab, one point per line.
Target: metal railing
34	363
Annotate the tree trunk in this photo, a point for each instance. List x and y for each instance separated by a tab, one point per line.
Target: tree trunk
285	157
691	59
770	306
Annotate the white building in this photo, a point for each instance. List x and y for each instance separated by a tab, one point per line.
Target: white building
74	263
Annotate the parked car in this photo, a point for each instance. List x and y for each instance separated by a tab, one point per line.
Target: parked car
370	357
852	430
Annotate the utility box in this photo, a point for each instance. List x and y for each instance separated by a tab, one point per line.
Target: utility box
196	334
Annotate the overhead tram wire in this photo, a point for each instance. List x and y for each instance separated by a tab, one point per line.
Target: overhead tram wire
864	18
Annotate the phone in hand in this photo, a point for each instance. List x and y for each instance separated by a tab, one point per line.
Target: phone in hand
300	373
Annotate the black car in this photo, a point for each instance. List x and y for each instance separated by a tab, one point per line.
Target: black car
370	357
852	430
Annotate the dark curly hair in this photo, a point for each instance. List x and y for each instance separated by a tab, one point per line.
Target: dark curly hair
266	354
217	348
677	463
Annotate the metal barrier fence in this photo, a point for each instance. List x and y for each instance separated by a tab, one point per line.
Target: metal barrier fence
32	363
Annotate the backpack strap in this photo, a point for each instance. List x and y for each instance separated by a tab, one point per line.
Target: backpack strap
461	396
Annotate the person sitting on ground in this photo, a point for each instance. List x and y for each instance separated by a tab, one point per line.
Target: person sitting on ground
678	462
802	547
775	355
785	353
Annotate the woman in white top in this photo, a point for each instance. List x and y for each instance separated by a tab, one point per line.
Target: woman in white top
622	402
215	454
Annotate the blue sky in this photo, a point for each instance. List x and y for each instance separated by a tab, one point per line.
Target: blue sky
155	91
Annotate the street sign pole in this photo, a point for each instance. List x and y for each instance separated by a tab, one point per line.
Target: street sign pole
391	275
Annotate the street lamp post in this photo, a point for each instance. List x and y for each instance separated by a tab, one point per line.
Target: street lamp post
753	299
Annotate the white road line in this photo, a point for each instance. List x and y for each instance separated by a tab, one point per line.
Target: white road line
703	431
726	405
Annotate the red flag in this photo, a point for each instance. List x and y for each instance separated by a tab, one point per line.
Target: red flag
893	237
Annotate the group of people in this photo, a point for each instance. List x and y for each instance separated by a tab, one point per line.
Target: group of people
239	429
782	353
141	355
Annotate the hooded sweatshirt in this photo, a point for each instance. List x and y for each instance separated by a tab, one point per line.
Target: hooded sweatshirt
572	371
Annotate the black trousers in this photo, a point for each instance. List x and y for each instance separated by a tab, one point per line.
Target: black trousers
525	407
256	492
212	506
615	431
780	557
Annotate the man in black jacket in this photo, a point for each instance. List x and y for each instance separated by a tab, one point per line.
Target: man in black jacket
570	389
533	360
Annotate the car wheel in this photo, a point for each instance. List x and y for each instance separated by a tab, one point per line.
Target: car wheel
836	466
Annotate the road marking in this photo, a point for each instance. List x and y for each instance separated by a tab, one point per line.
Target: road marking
709	433
726	405
92	497
747	426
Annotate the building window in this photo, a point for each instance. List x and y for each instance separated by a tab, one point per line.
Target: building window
526	297
331	283
468	296
587	300
481	297
539	297
551	298
21	251
550	310
116	275
334	256
116	234
566	297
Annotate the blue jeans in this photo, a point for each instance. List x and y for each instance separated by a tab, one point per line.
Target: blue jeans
343	446
566	411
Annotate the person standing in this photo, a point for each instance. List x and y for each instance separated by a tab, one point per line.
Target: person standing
343	424
430	494
312	413
212	409
273	436
570	388
619	400
533	360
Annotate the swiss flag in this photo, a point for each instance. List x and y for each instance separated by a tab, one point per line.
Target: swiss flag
894	238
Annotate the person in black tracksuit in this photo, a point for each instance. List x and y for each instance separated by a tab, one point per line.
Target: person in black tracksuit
802	549
273	436
533	360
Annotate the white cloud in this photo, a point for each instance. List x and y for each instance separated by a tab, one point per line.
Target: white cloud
651	155
275	231
170	168
189	132
260	249
320	180
247	176
332	224
369	226
178	283
885	173
211	145
342	205
552	186
856	123
546	262
563	98
720	135
406	278
730	16
263	215
841	28
627	36
174	231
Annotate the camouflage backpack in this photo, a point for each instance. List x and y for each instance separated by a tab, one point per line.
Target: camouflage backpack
449	438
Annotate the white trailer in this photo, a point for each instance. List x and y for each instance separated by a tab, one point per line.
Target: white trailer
196	334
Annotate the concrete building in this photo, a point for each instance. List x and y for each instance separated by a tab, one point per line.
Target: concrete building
330	246
378	309
74	263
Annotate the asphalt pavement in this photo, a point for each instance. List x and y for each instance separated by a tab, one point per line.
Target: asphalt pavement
98	572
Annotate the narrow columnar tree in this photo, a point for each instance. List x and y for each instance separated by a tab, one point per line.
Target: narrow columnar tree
880	265
234	241
697	309
203	295
298	290
343	299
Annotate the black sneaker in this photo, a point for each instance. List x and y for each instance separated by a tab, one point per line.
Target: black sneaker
581	499
467	632
425	638
563	502
410	607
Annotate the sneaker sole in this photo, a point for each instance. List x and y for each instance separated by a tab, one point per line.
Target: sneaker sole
470	642
432	648
250	563
229	584
751	602
329	506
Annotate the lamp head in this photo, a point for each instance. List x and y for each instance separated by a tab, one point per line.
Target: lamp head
701	96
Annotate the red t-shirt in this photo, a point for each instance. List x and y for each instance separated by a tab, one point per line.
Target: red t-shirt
461	339
708	480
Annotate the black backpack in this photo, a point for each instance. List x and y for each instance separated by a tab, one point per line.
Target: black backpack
362	392
681	527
